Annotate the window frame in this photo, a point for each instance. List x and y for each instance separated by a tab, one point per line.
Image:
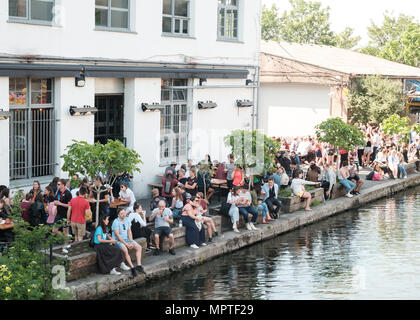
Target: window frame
28	123
109	9
228	7
28	18
174	17
167	123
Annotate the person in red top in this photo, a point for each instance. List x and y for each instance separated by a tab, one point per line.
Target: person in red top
79	208
24	205
169	183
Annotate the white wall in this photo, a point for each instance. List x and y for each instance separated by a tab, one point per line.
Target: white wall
292	109
69	127
4	132
74	35
210	126
142	130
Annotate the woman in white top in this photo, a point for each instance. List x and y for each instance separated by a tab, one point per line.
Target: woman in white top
298	188
127	195
393	163
233	199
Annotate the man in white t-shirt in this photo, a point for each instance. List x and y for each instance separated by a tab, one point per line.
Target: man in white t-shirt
127	195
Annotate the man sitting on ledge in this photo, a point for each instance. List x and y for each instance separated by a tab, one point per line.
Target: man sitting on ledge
343	175
354	177
163	217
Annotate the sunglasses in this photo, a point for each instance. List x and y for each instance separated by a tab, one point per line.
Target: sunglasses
124	227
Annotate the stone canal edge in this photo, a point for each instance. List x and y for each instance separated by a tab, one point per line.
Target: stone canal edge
99	285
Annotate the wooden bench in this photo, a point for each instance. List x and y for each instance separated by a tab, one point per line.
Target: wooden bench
156	185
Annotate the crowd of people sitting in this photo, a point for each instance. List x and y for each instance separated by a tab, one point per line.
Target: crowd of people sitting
69	205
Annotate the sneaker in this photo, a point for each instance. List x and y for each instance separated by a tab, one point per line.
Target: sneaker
248	227
172	251
236	230
140	269
194	246
210	240
64	251
349	195
156	252
124	267
133	272
405	177
67	246
203	244
252	226
115	272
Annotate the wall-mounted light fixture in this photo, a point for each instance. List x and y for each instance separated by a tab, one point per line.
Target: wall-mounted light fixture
85	111
244	103
206	105
202	80
4	115
80	80
147	107
248	82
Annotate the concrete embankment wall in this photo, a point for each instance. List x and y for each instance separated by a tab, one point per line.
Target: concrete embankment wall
98	286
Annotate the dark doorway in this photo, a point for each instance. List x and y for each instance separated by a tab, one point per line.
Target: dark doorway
109	120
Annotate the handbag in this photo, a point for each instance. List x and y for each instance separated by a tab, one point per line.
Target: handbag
224	208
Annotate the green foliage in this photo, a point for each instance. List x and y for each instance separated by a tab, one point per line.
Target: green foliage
254	150
397	39
108	159
345	39
91	160
374	98
339	134
25	268
75	183
397	125
270	23
306	22
285	193
315	203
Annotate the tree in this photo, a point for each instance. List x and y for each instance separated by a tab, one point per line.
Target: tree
346	40
397	39
374	98
254	150
270	29
92	160
339	134
306	22
397	125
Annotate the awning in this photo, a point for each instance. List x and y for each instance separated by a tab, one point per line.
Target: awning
56	70
39	70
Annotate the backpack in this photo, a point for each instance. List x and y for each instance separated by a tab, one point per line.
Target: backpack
370	175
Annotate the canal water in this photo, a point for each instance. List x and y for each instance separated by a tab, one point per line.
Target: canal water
369	253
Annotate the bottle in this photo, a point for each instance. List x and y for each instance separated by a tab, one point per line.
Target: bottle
180	223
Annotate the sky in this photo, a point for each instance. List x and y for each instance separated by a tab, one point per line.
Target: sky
357	14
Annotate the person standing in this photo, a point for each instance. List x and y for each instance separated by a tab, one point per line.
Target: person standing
77	212
169	183
229	167
62	199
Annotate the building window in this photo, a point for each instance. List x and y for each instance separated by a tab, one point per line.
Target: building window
174	121
31	128
39	10
112	14
228	19
175	18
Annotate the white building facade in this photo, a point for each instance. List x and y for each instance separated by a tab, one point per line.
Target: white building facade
117	56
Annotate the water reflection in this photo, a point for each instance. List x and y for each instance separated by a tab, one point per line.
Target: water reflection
370	253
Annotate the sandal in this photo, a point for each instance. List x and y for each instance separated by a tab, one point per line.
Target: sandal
265	222
269	219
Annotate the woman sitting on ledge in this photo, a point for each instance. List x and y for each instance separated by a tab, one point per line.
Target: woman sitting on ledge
298	188
108	255
195	235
